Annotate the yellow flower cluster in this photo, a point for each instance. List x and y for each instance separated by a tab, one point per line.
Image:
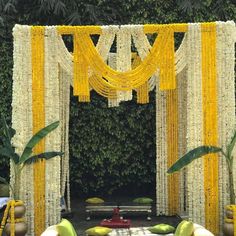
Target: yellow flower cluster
210	127
38	106
107	81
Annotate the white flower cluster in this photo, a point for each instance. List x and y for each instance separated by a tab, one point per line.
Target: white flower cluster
226	103
52	114
22	114
195	171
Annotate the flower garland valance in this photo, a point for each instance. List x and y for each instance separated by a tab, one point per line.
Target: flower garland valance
161	55
91	71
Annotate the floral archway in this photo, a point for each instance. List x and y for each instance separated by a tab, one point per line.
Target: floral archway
194	96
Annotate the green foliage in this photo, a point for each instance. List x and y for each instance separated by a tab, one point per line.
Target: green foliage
36	138
5	91
112	149
8	150
204	150
191	156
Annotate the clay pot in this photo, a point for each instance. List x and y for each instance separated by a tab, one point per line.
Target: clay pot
229	214
228	229
20	211
20	227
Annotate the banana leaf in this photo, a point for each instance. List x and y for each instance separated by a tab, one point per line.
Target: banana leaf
35	140
3	180
191	156
45	155
231	145
7	152
6	136
8	133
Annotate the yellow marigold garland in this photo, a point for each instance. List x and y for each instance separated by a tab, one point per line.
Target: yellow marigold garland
37	41
10	212
167	63
122	80
210	133
102	87
81	83
143	90
154	28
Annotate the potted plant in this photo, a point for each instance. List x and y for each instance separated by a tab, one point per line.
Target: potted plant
19	161
227	154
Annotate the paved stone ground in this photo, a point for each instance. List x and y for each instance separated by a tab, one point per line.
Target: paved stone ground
79	218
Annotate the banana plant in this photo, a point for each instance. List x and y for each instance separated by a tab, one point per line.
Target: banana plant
204	150
27	157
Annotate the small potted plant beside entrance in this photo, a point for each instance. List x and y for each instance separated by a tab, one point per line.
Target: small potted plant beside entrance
198	152
13	220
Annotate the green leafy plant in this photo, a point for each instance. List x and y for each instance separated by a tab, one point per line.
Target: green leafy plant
27	157
204	150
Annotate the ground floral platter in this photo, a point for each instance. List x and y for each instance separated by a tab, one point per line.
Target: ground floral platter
134	231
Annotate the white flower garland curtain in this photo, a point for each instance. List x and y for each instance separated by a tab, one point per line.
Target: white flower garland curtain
201	71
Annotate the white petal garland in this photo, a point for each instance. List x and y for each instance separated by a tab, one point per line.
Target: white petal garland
65	79
226	102
161	153
53	140
123	56
195	171
22	114
182	145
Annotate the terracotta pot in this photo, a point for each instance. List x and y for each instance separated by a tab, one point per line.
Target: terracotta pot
20	229
229	214
228	229
20	211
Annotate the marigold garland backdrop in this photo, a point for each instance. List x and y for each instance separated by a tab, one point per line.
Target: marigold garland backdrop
194	98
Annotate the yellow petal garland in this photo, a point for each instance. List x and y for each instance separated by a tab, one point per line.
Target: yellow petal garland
104	78
37	42
81	83
121	80
142	91
209	93
167	63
